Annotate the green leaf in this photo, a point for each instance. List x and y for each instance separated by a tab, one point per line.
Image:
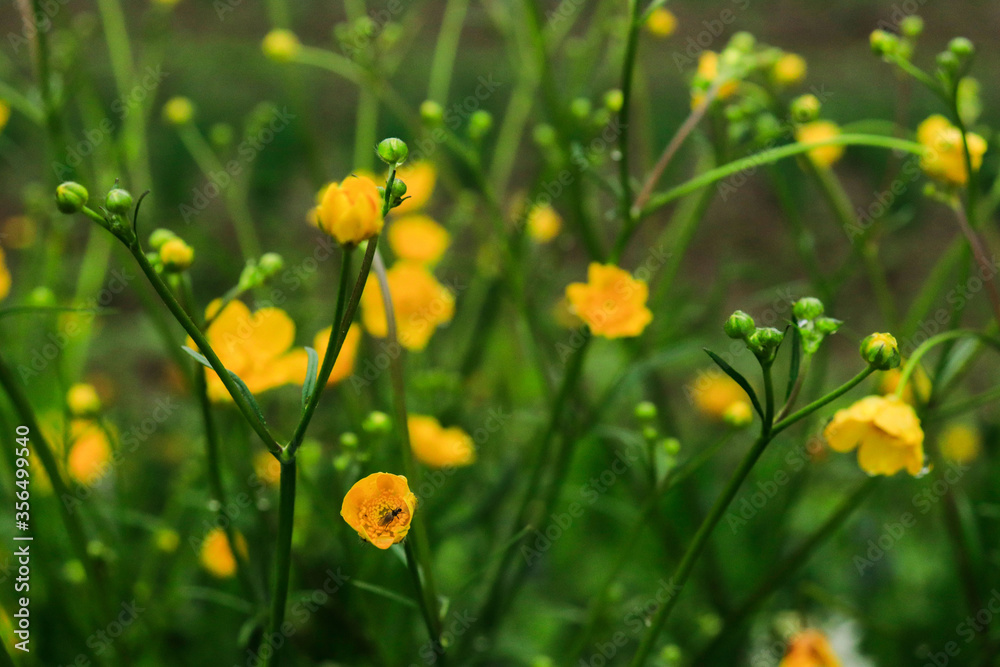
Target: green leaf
197	356
384	592
312	369
740	380
793	369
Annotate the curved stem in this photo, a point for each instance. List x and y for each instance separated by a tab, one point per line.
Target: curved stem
925	347
818	403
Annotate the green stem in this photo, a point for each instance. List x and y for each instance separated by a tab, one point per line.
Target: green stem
768	422
628	71
925	347
446	50
431	619
960	407
985	265
818	403
283	554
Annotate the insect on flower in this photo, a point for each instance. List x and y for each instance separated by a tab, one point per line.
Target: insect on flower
389	516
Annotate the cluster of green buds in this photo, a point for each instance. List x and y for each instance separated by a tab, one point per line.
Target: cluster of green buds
170	253
257	272
762	341
890	45
813	326
663	448
71	197
392	151
881	351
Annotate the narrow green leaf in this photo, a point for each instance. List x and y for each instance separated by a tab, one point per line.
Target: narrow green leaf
384	592
793	369
312	369
247	395
197	356
740	380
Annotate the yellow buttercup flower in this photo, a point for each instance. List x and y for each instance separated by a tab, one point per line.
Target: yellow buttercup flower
266	467
708	70
420	303
661	23
820	130
809	648
5	279
255	346
217	556
918	389
351	211
380	508
439	447
418	238
714	393
90	452
281	45
886	432
960	443
176	255
944	154
544	223
82	399
611	302
789	69
420	178
344	365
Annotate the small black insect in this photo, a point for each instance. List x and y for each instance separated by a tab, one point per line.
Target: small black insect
389	516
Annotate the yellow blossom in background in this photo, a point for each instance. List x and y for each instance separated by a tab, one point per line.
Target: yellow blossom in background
960	443
418	238
351	211
820	130
217	556
267	467
178	110
611	302
82	399
944	153
789	69
544	223
420	178
439	447
708	70
886	432
4	114
420	303
809	648
714	393
281	45
918	388
5	279
661	23
255	346
90	453
344	365
380	508
176	255
738	414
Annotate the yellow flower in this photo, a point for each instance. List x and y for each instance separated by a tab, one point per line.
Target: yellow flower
820	130
419	301
789	70
420	178
380	508
5	279
254	346
611	302
944	155
217	555
90	453
83	400
714	393
178	110
4	114
960	443
266	467
281	45
176	255
351	211
708	70
439	447
739	414
918	389
661	23
886	432
418	238
809	648
544	223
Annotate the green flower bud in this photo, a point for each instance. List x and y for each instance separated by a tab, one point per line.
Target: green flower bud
742	41
739	325
118	201
160	236
398	188
650	434
392	151
961	47
672	446
221	134
948	62
580	107
827	325
348	440
377	422
807	308
805	108
74	572
883	43
431	113
911	26
41	296
480	123
881	351
764	343
645	411
544	135
71	197
270	264
671	654
614	100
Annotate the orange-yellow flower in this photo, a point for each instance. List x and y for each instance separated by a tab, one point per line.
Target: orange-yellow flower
661	23
5	279
708	70
217	556
960	443
809	648
420	178
820	130
418	238
344	365
380	508
255	346
886	432
90	453
351	211
419	301
611	302
714	393
544	223
944	154
439	447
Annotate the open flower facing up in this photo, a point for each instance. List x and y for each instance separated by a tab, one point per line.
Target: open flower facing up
5	279
611	302
809	648
351	211
216	555
420	178
380	508
255	346
820	130
944	154
439	447
886	432
419	301
544	223
417	238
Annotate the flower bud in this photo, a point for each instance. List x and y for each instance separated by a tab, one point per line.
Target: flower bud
672	446
739	325
827	325
281	45
71	197
544	135
742	41
178	111
805	108
764	343
392	151
431	113
645	411
160	236
176	255
807	308
948	62
881	351
348	440
580	107
118	201
738	415
614	100
351	211
270	264
376	422
41	296
480	123
221	134
961	47
650	434
883	43
82	400
911	26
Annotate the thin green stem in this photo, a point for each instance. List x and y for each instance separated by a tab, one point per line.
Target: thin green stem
927	345
768	422
628	72
960	407
820	402
283	554
446	50
985	265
